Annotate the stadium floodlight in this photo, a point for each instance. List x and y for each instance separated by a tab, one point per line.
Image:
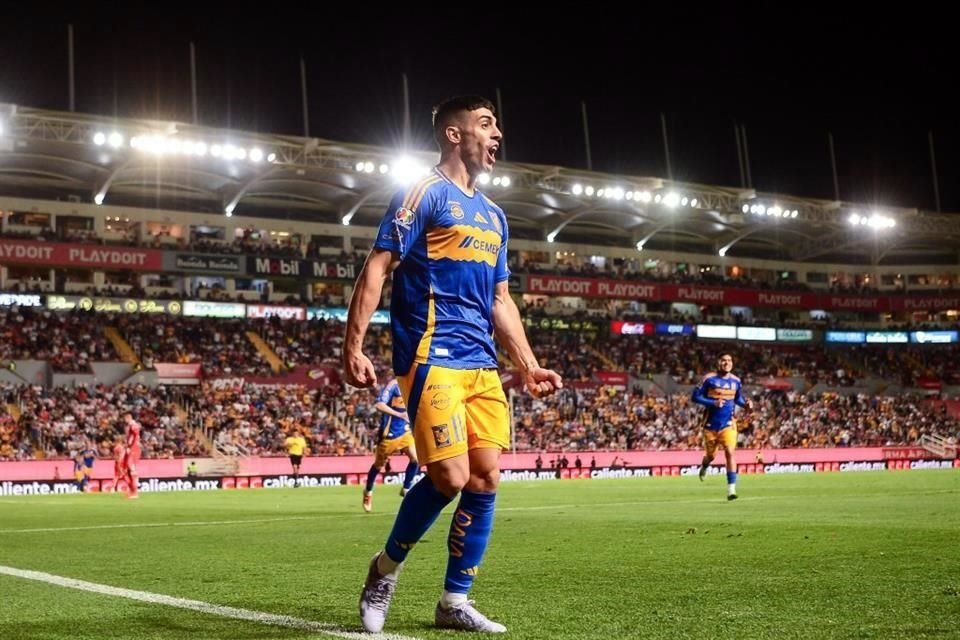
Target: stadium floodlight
384	168
601	193
643	196
588	191
99	138
496	181
628	195
229	209
359	167
98	199
617	193
794	213
640	246
368	167
854	218
684	200
722	252
256	155
694	202
115	140
505	182
775	210
577	189
484	178
551	236
405	170
272	157
745	208
671	199
657	198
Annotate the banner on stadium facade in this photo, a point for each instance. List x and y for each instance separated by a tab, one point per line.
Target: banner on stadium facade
20	300
177	372
933	337
846	337
667	329
380	316
276	311
114	305
97	256
202	263
717	331
794	335
757	334
562	324
297	268
727	296
311	377
886	337
624	328
617	379
205	309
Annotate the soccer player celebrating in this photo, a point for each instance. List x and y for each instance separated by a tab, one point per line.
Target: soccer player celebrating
445	244
394	436
720	392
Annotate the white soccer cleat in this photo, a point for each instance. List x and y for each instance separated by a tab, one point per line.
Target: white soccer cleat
465	617
375	597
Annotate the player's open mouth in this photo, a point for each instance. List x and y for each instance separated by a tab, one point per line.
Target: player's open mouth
492	153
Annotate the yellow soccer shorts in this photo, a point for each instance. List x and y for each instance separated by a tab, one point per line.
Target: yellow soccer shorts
455	410
726	437
390	446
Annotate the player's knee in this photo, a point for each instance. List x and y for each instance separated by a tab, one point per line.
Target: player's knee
449	480
484	481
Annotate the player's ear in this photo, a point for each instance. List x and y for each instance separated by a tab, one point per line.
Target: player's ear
453	134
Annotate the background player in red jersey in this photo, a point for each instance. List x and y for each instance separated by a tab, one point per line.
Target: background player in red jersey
132	431
119	464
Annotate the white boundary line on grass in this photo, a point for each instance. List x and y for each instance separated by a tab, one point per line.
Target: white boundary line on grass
203	607
148	525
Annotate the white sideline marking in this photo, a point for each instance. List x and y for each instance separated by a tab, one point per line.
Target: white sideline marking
203	607
146	525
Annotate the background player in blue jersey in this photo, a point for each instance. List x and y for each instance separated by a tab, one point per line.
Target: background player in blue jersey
445	244
393	437
720	392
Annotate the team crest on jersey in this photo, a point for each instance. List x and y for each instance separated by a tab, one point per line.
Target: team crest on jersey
404	217
441	436
456	210
495	221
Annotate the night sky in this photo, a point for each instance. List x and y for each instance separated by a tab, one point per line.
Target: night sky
878	81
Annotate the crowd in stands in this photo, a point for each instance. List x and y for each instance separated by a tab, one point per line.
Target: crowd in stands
69	342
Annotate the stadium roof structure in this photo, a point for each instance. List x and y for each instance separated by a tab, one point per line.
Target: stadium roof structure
179	166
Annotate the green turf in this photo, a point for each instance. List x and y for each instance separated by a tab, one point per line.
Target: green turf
861	555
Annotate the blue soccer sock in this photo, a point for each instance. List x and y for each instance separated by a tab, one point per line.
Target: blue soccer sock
731	482
372	478
469	535
411	473
418	511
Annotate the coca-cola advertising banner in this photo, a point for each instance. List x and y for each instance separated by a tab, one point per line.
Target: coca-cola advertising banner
723	296
79	255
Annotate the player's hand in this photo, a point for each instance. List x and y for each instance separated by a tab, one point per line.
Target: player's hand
750	405
720	402
405	417
358	370
542	382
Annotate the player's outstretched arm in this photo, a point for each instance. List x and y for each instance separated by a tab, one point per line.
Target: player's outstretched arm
508	328
357	367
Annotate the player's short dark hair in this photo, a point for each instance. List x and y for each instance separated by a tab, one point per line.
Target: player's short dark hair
724	355
452	106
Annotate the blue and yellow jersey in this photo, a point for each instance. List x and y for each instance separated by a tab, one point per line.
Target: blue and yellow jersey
391	426
88	457
78	469
453	252
719	387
